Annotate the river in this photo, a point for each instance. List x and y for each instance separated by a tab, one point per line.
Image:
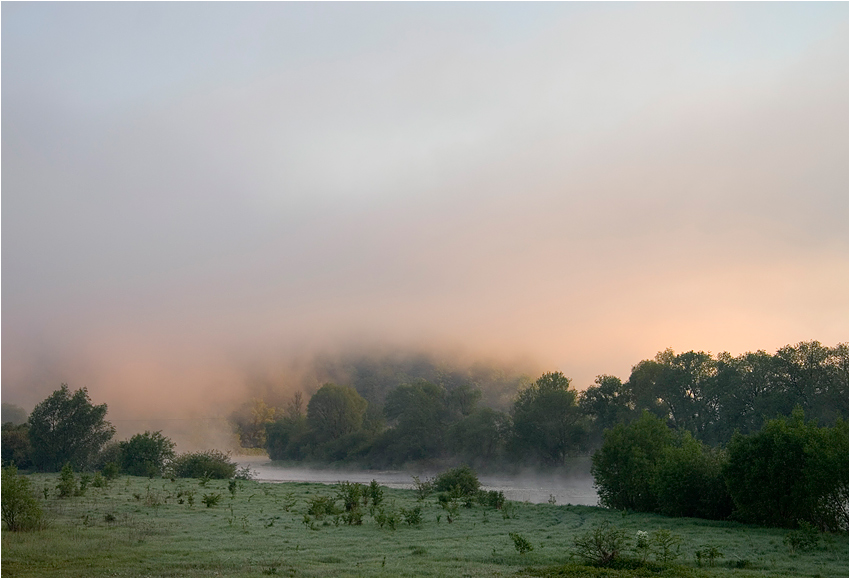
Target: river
527	486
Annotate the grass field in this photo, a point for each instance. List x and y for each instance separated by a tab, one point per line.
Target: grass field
147	527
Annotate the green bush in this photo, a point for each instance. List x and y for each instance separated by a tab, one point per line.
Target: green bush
212	464
806	538
600	546
21	509
210	499
146	454
67	482
521	544
624	468
321	506
790	471
461	478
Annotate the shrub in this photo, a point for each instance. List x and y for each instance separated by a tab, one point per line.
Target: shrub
494	499
111	470
374	492
423	488
624	467
21	509
211	499
67	482
707	553
600	546
321	506
462	478
349	494
666	545
412	516
146	454
521	544
805	538
790	471
209	463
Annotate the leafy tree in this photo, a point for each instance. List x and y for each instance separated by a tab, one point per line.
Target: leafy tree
335	411
16	448
418	416
689	481
790	471
462	480
547	420
250	422
481	436
67	427
21	509
607	403
624	468
146	454
209	463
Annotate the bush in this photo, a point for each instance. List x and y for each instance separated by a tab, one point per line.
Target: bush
21	509
374	492
67	482
790	471
210	499
207	464
16	448
624	468
494	499
349	494
146	454
600	546
461	478
805	538
321	506
521	544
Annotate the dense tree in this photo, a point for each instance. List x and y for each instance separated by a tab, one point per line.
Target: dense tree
790	471
624	468
16	448
146	454
606	404
250	421
418	416
481	437
67	427
335	411
547	420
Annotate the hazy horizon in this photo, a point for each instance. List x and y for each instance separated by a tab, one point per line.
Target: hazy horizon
197	194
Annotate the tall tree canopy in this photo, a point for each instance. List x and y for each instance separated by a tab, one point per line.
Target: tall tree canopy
335	411
548	421
67	427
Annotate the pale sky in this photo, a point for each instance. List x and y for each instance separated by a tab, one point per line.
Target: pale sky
193	191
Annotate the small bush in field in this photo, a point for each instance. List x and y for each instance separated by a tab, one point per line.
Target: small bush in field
461	478
600	546
666	545
211	499
708	553
494	499
349	494
521	544
212	464
67	482
111	470
20	508
374	492
805	538
321	506
98	481
412	516
423	488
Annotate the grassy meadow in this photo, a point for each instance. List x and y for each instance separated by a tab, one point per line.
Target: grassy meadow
156	527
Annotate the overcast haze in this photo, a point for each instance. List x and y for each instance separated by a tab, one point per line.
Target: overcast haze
194	192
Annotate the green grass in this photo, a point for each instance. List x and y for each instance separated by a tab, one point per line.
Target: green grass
139	527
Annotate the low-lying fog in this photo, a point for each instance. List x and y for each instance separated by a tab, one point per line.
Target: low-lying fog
566	488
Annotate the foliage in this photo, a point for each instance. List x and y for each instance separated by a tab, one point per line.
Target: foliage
461	478
493	499
708	553
250	420
374	492
146	454
418	415
21	509
209	463
67	482
689	481
335	411
600	546
423	488
285	438
16	447
665	545
111	471
790	471
624	467
413	515
211	499
67	427
806	538
521	544
350	493
547	420
321	506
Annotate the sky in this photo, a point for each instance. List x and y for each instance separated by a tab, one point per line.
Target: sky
196	192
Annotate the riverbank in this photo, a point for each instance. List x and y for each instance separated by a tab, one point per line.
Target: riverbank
156	527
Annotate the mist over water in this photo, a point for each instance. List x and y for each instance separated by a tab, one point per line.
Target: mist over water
201	200
567	486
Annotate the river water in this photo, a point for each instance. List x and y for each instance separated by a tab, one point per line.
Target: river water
532	487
